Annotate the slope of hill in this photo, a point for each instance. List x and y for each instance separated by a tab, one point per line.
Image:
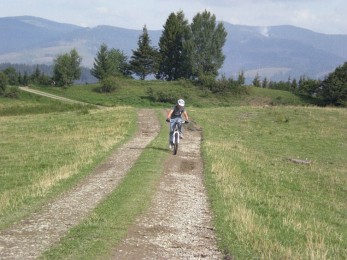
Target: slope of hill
276	52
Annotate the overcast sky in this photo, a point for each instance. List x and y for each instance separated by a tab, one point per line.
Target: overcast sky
325	16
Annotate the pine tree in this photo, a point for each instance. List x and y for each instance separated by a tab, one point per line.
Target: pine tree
143	60
206	45
36	75
241	78
173	57
294	86
256	81
3	83
265	83
109	63
101	65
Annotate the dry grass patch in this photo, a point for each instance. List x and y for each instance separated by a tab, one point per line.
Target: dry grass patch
41	153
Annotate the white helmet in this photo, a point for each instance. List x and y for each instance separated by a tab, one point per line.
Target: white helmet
180	102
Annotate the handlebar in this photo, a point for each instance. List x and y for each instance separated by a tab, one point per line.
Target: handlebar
183	122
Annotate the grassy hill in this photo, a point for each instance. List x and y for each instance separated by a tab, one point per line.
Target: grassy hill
154	93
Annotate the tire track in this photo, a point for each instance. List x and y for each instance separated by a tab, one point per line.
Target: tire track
45	94
178	225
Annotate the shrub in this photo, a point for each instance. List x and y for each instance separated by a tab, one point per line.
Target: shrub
12	92
222	85
109	84
168	96
240	90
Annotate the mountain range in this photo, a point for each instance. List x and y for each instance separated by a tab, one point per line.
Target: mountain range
275	52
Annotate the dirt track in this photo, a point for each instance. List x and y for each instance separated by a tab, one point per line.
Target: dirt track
177	225
45	94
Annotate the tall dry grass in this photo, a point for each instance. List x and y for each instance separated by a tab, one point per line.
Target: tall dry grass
41	153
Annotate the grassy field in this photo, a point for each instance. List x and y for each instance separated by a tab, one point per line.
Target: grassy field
32	104
41	154
265	205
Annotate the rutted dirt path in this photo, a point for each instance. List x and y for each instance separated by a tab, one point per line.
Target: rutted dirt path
176	226
178	223
30	237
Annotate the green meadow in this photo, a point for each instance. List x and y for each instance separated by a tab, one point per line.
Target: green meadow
276	179
275	170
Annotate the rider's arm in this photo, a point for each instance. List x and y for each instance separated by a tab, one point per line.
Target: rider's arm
169	114
186	115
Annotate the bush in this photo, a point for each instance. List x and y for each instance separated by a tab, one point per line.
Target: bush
168	96
12	92
240	90
206	82
109	84
222	85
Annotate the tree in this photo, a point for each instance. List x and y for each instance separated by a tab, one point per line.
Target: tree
173	60
3	83
143	60
307	87
256	81
109	63
12	76
101	65
241	78
23	80
333	89
118	63
35	76
67	68
206	45
294	86
265	83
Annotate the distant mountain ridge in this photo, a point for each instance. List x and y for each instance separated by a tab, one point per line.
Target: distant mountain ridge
277	52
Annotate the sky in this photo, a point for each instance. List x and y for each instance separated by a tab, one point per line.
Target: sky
324	16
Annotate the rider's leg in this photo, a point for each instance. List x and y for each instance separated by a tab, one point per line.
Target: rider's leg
180	128
172	127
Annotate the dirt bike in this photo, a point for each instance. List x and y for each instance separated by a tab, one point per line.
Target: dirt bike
176	137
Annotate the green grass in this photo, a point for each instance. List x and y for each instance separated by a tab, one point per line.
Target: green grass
265	206
28	103
45	153
135	93
263	96
96	236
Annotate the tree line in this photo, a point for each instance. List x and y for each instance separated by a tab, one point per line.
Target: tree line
186	51
332	90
